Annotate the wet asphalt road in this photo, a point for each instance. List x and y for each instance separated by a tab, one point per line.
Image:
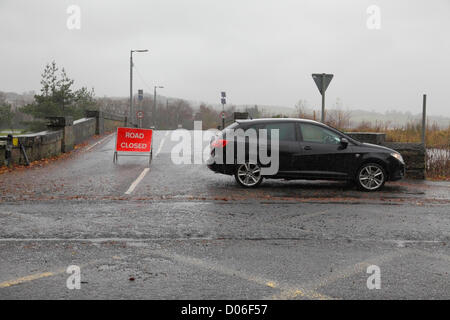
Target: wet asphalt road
184	232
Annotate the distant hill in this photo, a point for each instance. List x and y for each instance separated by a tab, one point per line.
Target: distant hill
395	118
18	100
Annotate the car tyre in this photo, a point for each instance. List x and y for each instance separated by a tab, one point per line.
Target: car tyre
248	175
371	177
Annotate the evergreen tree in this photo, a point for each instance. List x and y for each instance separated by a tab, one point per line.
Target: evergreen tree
6	114
57	96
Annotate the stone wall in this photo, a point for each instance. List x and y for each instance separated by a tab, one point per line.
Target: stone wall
106	122
414	155
112	122
2	153
64	124
369	137
62	136
45	144
83	129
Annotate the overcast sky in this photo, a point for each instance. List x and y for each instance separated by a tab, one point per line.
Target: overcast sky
258	51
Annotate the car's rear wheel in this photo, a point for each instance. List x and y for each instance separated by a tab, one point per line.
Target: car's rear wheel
371	177
248	175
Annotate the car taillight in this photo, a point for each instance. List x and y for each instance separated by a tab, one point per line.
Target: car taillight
219	143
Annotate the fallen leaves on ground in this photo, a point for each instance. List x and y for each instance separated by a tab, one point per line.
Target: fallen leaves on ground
45	161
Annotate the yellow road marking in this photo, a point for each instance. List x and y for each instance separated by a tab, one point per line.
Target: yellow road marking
220	268
26	279
340	274
37	276
286	291
304	293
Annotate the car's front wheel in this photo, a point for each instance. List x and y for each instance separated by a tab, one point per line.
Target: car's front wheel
371	177
248	175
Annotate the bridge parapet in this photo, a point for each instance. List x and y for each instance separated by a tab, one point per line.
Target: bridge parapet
62	135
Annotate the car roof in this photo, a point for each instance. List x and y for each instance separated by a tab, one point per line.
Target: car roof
300	120
243	121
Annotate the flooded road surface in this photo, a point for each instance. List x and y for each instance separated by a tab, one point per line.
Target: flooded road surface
183	232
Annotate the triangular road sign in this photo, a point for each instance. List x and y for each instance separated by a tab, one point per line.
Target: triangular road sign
322	85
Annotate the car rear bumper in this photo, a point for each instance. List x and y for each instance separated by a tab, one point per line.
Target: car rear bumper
219	168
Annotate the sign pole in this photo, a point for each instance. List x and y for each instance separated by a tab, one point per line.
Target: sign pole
424	118
322	81
154	106
223	100
140	115
131	89
323	99
223	116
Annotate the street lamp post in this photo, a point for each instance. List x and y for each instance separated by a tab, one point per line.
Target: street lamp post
131	115
154	104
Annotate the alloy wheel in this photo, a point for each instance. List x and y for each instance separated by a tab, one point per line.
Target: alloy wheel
249	174
371	177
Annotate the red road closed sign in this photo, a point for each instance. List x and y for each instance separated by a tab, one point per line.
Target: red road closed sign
133	140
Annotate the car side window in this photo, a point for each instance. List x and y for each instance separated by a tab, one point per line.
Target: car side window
286	130
317	134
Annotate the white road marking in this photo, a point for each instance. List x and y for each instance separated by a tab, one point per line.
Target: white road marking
202	238
146	170
339	275
224	270
160	147
161	144
136	182
98	142
100	240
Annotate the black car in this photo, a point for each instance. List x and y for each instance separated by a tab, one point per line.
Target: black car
307	150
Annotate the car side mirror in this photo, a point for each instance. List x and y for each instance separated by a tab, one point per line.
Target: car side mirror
344	142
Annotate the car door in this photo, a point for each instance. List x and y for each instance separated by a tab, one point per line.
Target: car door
288	144
321	153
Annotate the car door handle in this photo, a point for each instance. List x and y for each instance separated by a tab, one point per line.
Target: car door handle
307	148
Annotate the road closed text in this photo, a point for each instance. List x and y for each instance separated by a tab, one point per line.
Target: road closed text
128	145
133	140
